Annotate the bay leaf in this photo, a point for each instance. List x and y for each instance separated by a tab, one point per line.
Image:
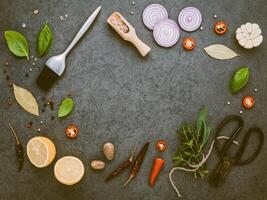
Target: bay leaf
26	100
220	52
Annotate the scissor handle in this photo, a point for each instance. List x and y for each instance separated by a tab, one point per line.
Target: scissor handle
228	143
244	143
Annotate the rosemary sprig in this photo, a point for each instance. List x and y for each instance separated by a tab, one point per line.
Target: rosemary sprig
193	141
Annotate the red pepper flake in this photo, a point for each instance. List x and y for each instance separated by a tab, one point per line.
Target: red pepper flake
189	43
29	125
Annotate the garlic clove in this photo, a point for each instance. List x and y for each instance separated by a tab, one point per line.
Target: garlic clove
242	42
256	33
257	41
248	44
240	36
249	27
244	29
255	26
238	31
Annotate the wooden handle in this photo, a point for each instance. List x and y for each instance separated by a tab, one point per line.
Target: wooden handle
141	46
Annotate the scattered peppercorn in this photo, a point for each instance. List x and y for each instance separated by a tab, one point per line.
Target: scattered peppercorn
7	78
43	110
4	71
26	75
52	118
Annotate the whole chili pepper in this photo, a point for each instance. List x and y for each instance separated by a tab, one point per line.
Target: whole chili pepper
122	166
137	163
18	149
158	164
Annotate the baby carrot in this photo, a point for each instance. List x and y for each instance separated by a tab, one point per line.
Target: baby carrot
158	164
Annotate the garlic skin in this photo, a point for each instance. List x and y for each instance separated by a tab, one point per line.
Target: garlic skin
249	35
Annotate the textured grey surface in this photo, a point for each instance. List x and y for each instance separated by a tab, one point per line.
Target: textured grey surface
126	99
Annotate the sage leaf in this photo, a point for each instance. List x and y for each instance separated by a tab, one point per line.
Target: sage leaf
65	107
26	100
44	41
220	52
239	79
17	43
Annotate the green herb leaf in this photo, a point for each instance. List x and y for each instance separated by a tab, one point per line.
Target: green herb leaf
202	116
17	43
65	107
240	79
189	143
45	38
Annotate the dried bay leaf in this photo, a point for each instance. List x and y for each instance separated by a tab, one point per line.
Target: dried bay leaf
26	100
220	52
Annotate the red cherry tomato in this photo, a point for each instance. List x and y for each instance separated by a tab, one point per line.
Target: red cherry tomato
161	145
189	43
72	131
248	102
220	28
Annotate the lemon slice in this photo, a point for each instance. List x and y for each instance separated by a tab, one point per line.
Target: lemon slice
41	151
69	170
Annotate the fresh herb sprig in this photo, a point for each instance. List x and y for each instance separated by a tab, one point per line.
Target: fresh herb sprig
193	141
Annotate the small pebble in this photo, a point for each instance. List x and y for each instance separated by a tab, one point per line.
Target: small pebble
66	15
132	12
41	122
33	64
61	18
36	12
133	3
201	28
6	63
39	130
35	59
32	57
23	25
215	16
256	90
228	102
240	111
30	69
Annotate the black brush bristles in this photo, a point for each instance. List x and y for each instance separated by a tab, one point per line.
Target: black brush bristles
47	78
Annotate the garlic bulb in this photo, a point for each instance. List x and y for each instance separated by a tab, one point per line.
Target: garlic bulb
249	35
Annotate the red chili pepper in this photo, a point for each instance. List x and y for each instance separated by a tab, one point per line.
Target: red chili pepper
248	102
72	131
189	43
158	164
161	145
220	28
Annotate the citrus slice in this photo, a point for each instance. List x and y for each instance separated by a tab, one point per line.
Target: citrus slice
41	151
69	170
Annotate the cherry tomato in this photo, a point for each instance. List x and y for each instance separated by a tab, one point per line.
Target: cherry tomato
161	145
220	28
72	131
248	102
189	43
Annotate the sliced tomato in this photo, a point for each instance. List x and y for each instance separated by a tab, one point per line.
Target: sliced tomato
72	131
220	28
161	145
248	102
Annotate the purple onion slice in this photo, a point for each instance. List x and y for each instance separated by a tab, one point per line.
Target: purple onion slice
166	33
190	19
153	14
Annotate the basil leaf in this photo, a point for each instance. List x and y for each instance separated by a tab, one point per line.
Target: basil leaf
240	79
17	43
65	107
44	40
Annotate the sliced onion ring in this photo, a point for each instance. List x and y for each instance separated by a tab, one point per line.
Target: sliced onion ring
190	19
153	14
166	33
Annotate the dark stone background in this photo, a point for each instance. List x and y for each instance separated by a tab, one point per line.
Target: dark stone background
126	99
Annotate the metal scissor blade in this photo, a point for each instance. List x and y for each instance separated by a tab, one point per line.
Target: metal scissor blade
221	171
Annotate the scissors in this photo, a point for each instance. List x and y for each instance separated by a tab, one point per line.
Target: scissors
226	160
